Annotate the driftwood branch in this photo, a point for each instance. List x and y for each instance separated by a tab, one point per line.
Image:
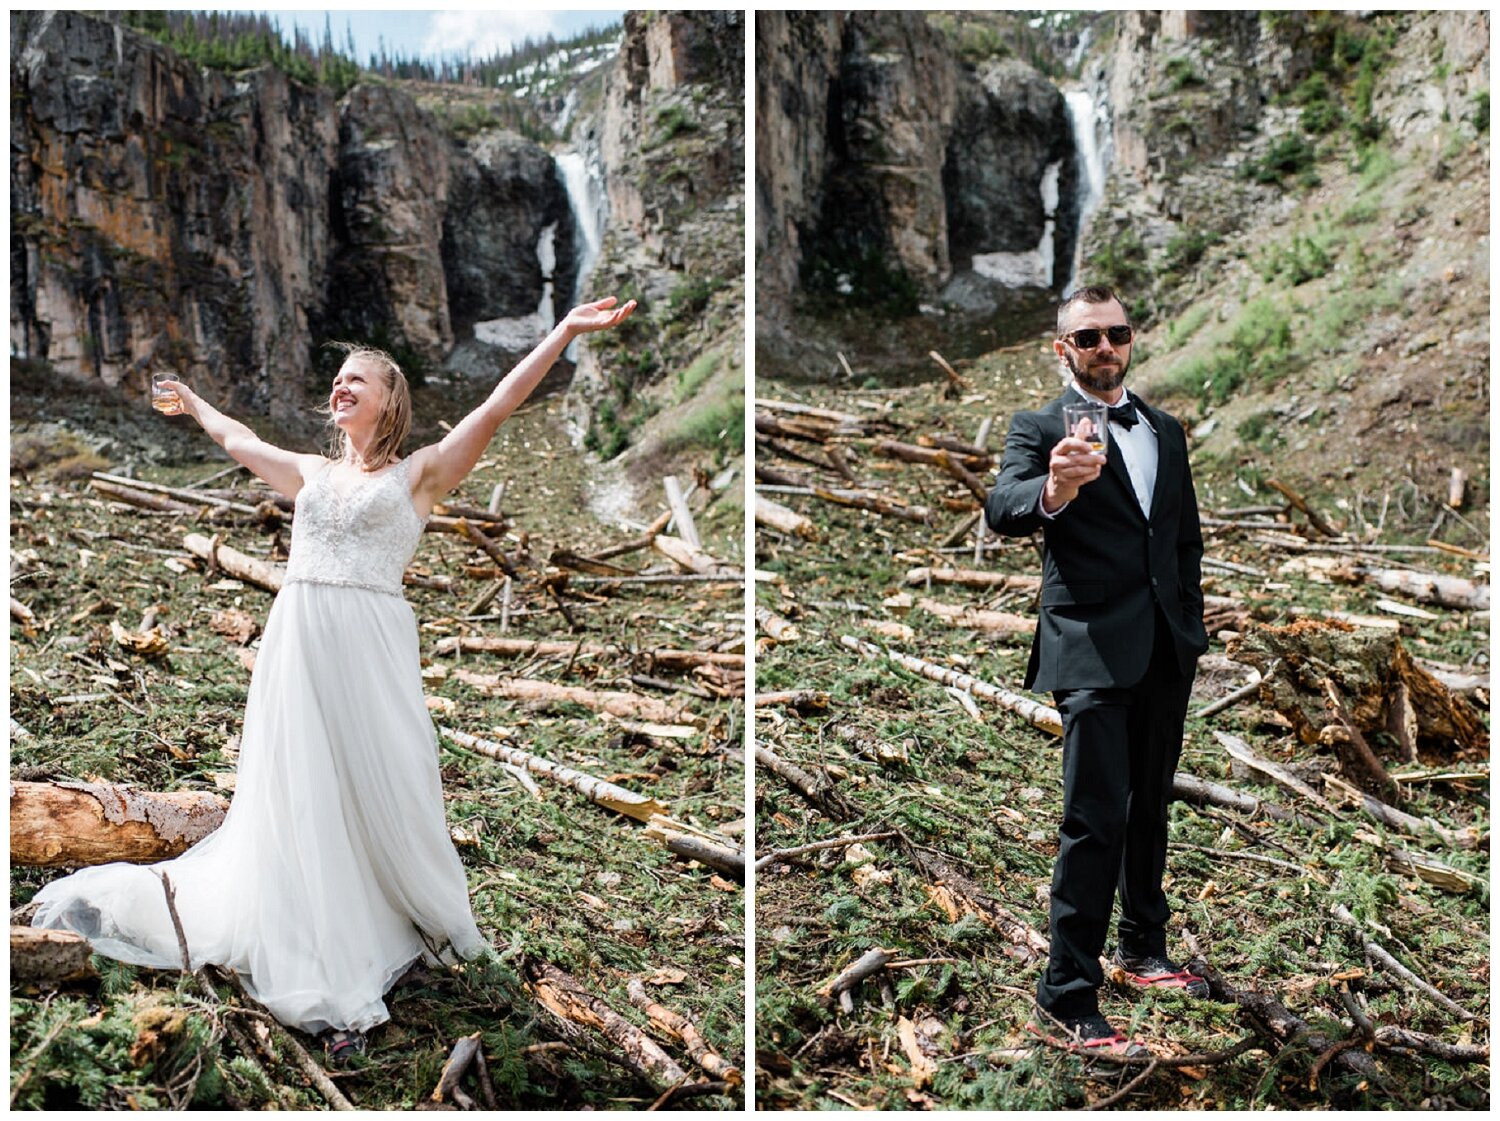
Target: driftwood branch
711	854
683	1029
606	794
565	997
817	846
1385	958
1033	712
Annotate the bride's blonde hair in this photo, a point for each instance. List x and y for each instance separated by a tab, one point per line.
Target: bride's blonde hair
395	418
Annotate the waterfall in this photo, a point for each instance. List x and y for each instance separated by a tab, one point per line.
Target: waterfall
1088	121
587	201
586	198
1030	267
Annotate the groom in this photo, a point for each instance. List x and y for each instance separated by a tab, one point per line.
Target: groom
1117	641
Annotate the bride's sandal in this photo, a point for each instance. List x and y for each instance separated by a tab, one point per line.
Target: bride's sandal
341	1046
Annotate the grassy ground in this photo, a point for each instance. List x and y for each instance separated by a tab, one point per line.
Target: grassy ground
984	794
551	876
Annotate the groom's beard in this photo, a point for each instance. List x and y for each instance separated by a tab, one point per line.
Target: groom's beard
1096	378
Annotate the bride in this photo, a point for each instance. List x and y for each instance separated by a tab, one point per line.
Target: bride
333	871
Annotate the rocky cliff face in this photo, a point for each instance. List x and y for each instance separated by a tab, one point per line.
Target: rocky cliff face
168	217
887	165
670	140
1216	114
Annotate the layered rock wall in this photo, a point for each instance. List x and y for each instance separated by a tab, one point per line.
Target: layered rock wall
885	163
168	217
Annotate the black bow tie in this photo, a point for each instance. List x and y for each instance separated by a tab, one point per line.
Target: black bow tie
1124	415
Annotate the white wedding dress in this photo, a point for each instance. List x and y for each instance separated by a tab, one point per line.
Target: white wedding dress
333	870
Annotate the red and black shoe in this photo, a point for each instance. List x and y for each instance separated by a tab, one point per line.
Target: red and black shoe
342	1046
1157	971
1089	1035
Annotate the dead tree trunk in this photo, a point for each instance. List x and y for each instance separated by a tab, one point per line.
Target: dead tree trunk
57	824
48	957
565	997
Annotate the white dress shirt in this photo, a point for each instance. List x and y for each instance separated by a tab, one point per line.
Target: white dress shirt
1136	447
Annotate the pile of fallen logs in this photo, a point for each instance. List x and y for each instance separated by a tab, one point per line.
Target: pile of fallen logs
791	438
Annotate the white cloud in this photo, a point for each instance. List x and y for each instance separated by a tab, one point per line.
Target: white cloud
483	33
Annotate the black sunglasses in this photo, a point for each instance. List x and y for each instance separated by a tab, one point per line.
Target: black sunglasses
1087	338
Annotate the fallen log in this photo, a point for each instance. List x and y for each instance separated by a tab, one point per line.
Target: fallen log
841	986
539	648
146	500
682	516
816	790
811	429
263	574
58	824
48	957
691	559
803	700
779	628
566	998
1033	712
942	456
1239	749
627	706
683	1029
976	455
1272	1019
973	618
721	858
1200	791
860	500
792	408
635	543
1317	520
783	519
606	794
563	558
1404	1039
731	577
1399	820
480	538
955	382
1425	587
972	578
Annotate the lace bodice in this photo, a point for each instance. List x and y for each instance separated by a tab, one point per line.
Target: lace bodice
362	539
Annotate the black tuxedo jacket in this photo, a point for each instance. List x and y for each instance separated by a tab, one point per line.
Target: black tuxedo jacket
1107	567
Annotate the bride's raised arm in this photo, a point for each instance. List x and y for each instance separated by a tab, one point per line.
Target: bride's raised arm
438	468
283	470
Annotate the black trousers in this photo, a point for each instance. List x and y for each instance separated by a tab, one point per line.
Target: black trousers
1120	749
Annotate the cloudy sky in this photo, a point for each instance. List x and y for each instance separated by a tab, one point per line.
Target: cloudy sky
432	34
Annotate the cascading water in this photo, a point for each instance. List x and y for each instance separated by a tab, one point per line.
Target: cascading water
587	200
1089	122
585	186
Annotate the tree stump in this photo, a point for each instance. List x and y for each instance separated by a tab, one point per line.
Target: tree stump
1382	687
